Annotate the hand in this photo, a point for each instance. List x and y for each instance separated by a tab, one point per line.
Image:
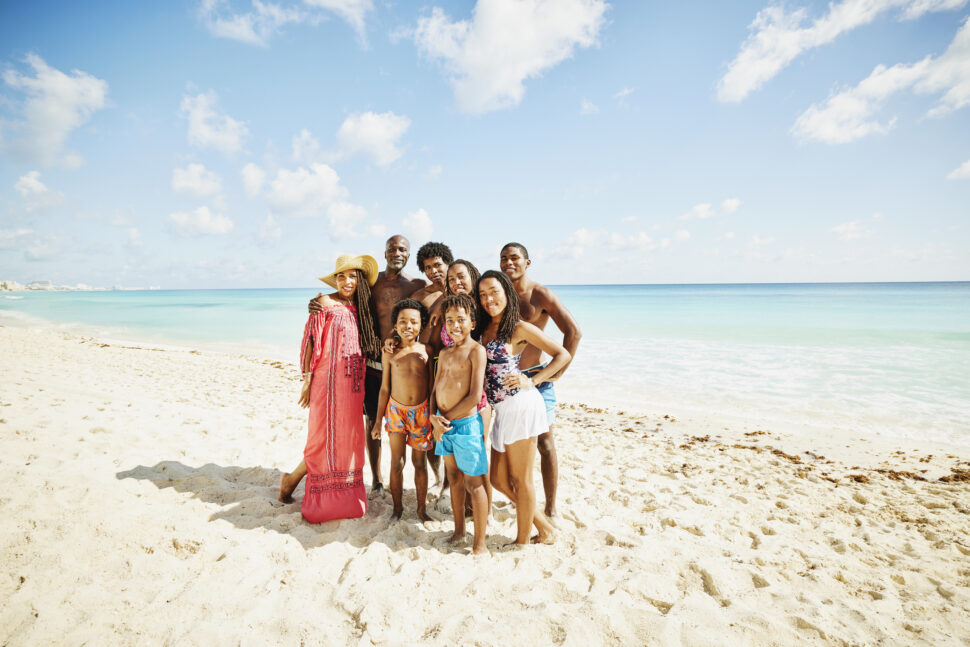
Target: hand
434	318
305	392
390	345
517	381
315	303
439	425
375	433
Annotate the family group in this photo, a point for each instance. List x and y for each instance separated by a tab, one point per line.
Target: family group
443	365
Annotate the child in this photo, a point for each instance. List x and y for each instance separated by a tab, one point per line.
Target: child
458	424
404	402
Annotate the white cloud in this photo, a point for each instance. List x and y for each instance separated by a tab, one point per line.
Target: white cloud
847	115
373	135
306	149
270	231
56	104
728	235
134	237
208	128
344	218
587	107
266	19
200	222
629	219
253	178
9	237
35	193
758	241
434	172
489	57
305	193
623	94
43	248
195	180
418	225
961	173
681	235
730	205
705	210
851	231
639	240
779	36
377	230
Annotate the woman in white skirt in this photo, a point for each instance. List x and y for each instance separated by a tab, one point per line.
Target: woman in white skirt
520	413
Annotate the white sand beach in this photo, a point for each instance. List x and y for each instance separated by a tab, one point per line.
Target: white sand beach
139	508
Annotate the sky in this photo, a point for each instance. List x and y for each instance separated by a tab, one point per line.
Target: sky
247	143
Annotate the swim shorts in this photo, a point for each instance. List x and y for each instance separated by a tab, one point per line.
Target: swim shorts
548	392
412	420
519	416
372	389
464	441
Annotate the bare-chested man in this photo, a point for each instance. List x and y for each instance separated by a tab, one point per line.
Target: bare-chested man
433	260
392	286
538	304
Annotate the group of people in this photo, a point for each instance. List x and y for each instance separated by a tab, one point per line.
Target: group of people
435	364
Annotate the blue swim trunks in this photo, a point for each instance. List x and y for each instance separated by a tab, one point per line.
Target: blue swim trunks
548	392
465	442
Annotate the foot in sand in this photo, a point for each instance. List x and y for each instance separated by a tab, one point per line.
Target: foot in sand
423	516
546	538
287	485
397	513
551	511
457	539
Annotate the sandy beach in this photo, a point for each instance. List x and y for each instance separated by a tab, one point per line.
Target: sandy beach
139	507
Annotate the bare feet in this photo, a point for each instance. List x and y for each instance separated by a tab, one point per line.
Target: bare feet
397	513
377	486
551	510
457	539
423	515
287	485
481	552
546	538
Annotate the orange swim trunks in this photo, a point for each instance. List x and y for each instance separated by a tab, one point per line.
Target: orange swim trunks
412	420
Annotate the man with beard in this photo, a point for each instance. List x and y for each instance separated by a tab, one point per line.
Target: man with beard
537	305
392	286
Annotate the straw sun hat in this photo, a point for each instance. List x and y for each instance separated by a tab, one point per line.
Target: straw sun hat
345	262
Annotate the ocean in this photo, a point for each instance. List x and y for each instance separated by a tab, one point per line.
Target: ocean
890	359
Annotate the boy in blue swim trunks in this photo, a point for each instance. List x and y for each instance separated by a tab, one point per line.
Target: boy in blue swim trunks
457	423
403	403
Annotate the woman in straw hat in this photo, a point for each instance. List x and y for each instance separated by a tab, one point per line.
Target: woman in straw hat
336	342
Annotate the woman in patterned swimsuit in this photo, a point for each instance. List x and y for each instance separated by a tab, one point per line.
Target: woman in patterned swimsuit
520	414
335	342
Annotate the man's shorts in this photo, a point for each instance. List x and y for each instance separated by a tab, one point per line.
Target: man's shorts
372	390
412	420
548	392
465	441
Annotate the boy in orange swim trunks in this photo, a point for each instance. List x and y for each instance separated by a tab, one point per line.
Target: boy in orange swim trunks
403	402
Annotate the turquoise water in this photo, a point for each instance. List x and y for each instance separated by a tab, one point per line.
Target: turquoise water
891	359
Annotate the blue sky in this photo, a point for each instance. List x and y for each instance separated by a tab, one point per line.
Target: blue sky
246	144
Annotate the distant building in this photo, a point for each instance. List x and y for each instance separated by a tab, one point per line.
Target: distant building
40	285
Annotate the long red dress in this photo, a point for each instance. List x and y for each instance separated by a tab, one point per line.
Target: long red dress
334	451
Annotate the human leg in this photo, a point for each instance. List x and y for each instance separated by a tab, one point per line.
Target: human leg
521	457
475	486
396	481
549	463
372	388
420	482
457	489
288	482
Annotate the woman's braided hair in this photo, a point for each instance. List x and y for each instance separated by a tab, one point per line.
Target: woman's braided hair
370	343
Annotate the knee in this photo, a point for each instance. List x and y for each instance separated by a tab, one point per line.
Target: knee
419	465
546	445
514	483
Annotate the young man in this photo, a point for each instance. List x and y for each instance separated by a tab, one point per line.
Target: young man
392	286
537	305
433	260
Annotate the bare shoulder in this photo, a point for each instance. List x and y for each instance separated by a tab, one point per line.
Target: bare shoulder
327	300
543	297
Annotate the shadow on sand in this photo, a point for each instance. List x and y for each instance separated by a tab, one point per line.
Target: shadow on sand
248	497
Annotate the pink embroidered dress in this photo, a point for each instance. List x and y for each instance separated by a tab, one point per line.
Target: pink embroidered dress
334	451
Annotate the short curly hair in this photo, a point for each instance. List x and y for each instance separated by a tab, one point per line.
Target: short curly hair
430	250
465	301
409	304
521	247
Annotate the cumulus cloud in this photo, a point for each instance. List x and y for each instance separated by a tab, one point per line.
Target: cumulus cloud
623	94
418	225
851	230
306	149
270	232
681	235
372	135
587	107
639	240
848	115
706	210
43	248
195	180
961	173
56	104
506	42
778	36
253	178
201	222
267	19
305	193
35	193
210	129
9	237
344	218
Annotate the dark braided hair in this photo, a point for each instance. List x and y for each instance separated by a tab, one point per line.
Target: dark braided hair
510	316
409	304
370	343
464	301
472	272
